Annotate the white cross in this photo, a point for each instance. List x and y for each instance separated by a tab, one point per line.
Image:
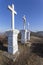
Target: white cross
24	18
13	13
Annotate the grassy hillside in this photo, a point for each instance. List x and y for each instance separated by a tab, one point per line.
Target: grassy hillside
26	57
32	55
37	34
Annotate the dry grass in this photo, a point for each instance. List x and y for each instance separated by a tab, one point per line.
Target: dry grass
27	55
35	39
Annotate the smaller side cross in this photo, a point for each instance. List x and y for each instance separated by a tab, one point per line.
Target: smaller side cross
24	20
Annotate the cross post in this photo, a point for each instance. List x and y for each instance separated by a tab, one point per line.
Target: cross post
13	13
24	20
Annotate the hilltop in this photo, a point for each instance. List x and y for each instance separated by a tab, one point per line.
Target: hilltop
29	55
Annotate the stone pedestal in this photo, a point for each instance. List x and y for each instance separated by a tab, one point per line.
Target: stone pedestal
28	35
12	41
23	36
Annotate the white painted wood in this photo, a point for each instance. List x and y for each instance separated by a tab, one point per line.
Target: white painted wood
24	22
13	13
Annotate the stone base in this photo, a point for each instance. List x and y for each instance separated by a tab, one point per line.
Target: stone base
12	41
28	35
12	49
23	36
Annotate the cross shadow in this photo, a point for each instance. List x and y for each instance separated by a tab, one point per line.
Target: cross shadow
37	48
3	48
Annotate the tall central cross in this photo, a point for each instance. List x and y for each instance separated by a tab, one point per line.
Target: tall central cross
13	13
24	20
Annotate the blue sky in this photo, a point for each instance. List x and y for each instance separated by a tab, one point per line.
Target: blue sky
33	9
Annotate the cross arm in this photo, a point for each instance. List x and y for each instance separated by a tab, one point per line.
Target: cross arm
12	9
